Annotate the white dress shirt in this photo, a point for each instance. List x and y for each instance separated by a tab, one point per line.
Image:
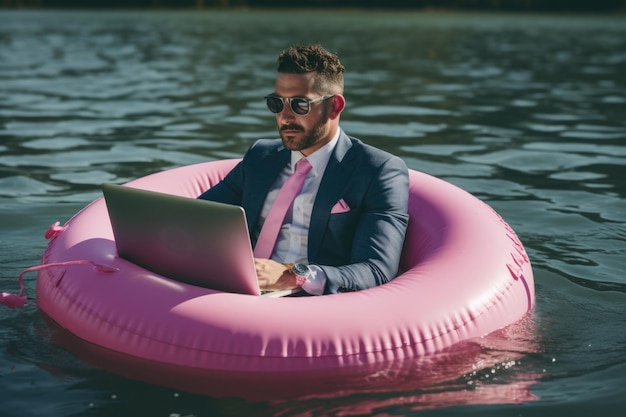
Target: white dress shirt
292	242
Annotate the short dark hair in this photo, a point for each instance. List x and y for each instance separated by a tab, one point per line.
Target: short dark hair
300	59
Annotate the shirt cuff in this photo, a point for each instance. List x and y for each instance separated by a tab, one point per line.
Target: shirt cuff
316	281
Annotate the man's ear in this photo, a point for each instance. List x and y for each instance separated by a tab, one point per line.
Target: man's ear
338	103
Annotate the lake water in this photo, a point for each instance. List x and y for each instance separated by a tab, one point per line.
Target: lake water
526	112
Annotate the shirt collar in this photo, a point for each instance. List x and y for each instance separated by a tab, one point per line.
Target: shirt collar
318	159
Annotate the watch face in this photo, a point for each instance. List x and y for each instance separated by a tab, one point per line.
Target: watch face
301	269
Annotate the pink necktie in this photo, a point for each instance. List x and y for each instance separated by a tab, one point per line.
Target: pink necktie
274	221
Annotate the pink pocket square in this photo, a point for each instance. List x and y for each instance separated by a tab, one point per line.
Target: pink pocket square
340	207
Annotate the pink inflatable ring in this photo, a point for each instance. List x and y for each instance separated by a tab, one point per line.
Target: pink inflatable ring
466	274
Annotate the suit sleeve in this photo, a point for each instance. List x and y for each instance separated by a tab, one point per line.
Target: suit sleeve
244	185
379	234
229	190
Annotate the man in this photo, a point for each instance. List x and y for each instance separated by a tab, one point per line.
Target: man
345	228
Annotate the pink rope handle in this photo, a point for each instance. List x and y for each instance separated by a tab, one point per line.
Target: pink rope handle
18	300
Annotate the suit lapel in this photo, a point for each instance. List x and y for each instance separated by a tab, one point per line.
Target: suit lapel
336	175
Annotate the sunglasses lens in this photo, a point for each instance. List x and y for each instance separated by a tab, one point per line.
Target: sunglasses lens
275	104
300	106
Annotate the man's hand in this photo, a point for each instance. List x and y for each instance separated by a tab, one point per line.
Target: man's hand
273	275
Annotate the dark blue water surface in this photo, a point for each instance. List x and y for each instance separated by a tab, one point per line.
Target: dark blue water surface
526	112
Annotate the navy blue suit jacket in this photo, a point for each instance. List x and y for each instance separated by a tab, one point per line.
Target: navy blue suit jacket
356	249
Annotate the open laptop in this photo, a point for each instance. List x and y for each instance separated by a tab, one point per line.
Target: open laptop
194	241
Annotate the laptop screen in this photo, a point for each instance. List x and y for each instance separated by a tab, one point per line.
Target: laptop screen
194	241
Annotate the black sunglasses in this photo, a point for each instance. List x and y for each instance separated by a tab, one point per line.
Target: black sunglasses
299	105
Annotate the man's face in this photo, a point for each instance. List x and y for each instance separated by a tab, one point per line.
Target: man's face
303	133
